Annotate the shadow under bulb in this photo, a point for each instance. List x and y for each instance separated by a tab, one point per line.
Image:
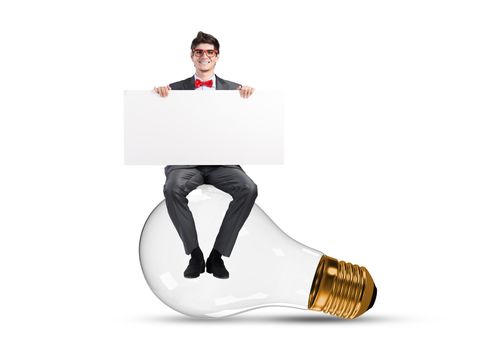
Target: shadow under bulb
268	268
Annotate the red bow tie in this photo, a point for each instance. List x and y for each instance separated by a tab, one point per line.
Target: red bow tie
198	83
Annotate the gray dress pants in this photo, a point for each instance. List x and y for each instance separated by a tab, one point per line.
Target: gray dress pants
231	180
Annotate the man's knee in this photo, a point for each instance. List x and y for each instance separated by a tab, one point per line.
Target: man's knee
173	191
252	190
246	190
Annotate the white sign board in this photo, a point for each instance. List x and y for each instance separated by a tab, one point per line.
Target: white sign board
203	128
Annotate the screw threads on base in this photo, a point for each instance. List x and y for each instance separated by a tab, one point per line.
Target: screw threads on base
341	289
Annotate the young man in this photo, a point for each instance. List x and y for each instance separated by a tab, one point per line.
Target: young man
182	179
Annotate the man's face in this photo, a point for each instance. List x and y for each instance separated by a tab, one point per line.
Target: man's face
203	62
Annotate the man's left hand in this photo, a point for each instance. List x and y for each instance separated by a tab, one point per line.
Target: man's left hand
246	91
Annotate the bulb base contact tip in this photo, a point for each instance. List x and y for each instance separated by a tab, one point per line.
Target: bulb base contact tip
341	289
374	296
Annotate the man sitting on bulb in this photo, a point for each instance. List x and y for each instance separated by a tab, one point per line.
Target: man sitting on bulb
182	179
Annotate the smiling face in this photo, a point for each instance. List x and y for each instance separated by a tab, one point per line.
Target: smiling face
203	63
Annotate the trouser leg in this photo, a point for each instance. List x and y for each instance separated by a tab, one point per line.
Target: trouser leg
177	186
244	192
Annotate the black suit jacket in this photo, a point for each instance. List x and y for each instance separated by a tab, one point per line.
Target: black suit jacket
188	84
220	84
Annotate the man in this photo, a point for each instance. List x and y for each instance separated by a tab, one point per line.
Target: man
182	179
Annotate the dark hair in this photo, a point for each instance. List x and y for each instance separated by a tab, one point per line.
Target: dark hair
204	38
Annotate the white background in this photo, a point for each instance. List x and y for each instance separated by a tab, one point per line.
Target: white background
391	162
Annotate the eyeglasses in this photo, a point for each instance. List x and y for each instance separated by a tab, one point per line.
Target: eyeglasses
210	53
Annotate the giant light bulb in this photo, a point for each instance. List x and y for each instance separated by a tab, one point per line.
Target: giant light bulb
267	267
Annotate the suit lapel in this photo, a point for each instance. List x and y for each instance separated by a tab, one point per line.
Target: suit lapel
219	83
189	83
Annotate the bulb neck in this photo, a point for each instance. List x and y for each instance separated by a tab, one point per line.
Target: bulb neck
341	289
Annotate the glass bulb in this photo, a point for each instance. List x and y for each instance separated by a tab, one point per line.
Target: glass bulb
267	267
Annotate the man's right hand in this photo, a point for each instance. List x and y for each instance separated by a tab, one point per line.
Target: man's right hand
162	90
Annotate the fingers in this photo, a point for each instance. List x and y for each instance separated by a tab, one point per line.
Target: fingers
162	90
246	91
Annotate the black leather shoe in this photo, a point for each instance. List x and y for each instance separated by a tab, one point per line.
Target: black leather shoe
195	267
216	266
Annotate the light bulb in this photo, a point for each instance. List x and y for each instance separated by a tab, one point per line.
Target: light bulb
267	267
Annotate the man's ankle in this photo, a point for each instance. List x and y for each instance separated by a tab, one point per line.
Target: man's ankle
197	254
215	255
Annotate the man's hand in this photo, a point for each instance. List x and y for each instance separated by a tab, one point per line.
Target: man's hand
246	91
162	90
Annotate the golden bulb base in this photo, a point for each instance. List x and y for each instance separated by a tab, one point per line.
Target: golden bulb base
341	289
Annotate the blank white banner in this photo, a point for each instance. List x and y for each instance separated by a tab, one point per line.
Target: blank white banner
203	127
